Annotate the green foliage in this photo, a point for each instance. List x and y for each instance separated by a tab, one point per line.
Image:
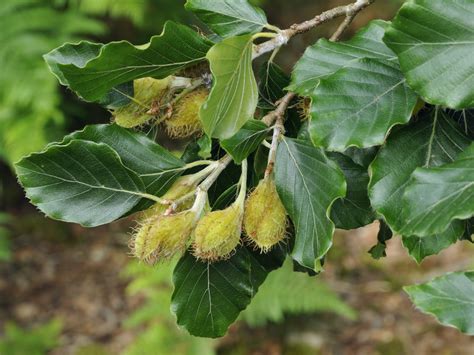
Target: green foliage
203	289
361	142
367	118
433	41
234	95
29	99
325	58
246	140
448	298
229	18
354	210
436	196
36	341
65	185
308	183
153	321
116	63
286	292
156	166
135	10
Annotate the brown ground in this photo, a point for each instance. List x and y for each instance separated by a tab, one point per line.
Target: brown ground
74	274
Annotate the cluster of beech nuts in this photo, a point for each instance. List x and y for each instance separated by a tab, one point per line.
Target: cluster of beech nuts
155	102
212	235
166	229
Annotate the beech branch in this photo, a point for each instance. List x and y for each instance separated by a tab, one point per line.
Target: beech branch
350	11
277	116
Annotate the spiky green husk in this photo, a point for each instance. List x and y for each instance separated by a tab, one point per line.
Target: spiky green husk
163	237
264	216
218	233
146	92
185	120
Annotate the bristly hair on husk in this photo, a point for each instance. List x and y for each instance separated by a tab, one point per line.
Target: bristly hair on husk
161	238
147	93
217	234
265	219
184	120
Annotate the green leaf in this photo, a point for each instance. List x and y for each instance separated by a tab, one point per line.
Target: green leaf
422	247
432	141
354	210
384	234
325	57
308	183
228	18
358	105
118	96
449	298
156	166
78	55
234	94
362	157
208	297
434	43
273	81
246	140
81	182
205	147
92	77
437	196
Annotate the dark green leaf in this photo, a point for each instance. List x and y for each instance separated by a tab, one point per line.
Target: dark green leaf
118	62
246	140
308	183
384	234
78	55
234	95
325	57
205	147
449	298
226	198
354	210
432	141
118	96
156	166
260	161
273	81
434	43
436	196
228	17
358	105
81	182
362	157
208	297
422	247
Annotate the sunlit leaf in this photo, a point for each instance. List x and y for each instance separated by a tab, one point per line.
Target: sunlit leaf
234	95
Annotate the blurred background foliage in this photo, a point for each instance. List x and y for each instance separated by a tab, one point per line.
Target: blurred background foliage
35	110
